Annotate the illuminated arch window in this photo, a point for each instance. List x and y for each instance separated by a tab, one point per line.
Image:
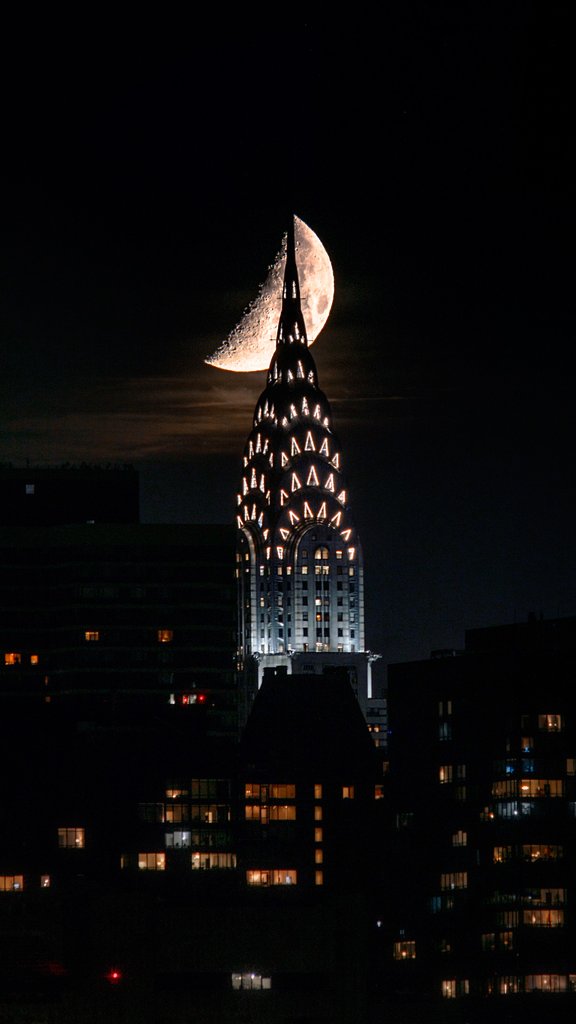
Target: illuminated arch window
322	553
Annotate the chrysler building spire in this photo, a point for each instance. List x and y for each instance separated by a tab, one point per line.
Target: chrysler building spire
299	558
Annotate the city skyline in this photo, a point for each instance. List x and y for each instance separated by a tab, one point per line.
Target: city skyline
141	214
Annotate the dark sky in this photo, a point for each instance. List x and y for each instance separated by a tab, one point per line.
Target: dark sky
148	176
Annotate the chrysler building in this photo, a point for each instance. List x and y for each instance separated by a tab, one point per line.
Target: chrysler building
300	569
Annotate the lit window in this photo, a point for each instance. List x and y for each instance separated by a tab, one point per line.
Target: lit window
501	854
152	861
347	792
34	659
202	861
178	840
177	812
317	813
445	773
176	791
11	883
165	636
405	950
378	788
253	982
318	791
546	983
541	787
449	988
282	812
318	834
12	658
282	792
318	878
541	851
276	876
318	856
30	488
460	838
550	723
71	838
544	918
454	880
91	635
509	985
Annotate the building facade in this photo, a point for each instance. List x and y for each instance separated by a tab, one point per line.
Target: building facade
300	565
482	800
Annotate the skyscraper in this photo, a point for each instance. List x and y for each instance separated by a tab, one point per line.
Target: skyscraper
300	563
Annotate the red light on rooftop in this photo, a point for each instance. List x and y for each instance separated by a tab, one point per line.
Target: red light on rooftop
201	698
114	976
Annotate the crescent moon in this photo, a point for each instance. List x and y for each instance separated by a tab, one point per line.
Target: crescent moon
250	346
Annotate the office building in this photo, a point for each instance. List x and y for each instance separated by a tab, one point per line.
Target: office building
482	801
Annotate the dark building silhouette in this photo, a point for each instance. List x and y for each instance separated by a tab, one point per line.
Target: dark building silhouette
128	611
482	791
151	872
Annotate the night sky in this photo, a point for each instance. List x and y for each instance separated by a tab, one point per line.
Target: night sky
149	173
